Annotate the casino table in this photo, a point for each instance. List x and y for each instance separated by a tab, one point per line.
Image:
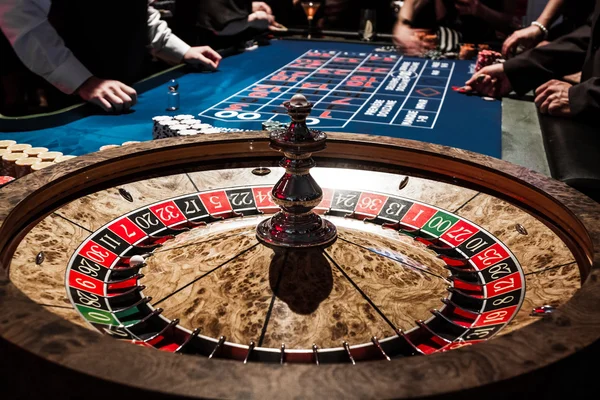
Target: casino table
402	269
354	87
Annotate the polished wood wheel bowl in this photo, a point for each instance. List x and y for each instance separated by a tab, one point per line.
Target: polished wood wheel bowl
41	334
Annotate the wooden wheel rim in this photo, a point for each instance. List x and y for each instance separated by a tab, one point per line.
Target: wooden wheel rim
572	327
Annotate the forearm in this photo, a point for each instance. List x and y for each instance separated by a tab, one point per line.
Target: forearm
551	13
561	57
161	40
38	45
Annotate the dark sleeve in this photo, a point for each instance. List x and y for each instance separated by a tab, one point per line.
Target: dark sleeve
584	99
561	57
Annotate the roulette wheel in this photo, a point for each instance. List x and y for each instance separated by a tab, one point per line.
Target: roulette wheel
162	270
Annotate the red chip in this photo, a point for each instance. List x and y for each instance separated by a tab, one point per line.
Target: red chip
5	179
487	57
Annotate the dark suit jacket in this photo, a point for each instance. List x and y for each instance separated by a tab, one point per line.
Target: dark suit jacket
577	51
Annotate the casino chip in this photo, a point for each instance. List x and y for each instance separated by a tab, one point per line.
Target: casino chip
270	126
460	89
386	49
250	45
434	54
185	125
487	57
4	180
184	117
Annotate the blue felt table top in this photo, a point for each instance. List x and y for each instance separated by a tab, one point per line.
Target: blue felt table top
437	113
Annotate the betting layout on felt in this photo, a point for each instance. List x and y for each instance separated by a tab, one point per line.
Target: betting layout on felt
345	87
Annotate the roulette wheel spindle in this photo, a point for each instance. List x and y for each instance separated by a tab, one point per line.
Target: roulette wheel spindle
297	193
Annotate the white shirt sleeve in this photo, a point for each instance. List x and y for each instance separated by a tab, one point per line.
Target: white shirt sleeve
162	42
38	45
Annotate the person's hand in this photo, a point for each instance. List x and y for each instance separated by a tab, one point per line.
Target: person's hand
202	55
277	27
108	94
553	98
261	15
526	37
467	7
261	6
490	81
406	39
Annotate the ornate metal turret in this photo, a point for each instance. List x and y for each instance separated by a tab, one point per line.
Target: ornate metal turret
297	193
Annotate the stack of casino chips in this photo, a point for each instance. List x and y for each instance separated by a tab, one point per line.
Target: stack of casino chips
18	160
273	125
387	49
487	57
183	125
468	51
49	156
11	152
166	126
60	159
4	144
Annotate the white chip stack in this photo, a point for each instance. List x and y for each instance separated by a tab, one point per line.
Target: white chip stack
188	132
20	159
3	152
60	159
41	165
161	126
165	126
19	147
9	163
179	125
35	151
49	156
189	122
183	117
23	166
4	144
10	152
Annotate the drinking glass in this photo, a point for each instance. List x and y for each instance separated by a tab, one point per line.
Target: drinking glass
367	27
310	9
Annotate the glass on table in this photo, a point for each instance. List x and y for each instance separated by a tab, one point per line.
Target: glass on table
173	100
367	27
310	9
